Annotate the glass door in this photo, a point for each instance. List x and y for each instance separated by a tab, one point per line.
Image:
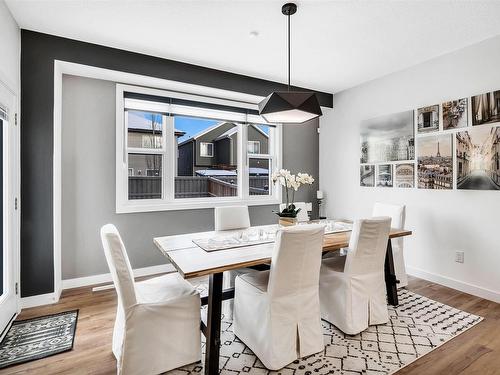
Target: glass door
9	219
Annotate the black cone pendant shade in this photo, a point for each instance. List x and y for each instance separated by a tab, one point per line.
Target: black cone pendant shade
289	107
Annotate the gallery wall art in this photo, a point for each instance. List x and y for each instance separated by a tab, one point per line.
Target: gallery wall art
435	162
428	119
384	175
388	138
404	175
486	108
454	145
477	159
455	114
367	175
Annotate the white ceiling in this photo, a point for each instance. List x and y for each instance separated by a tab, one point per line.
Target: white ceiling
335	44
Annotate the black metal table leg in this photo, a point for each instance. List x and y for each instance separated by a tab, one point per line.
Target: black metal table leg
213	324
390	276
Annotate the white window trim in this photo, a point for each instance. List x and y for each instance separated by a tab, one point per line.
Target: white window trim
207	156
168	202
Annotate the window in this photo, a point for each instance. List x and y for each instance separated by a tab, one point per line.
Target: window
206	149
181	151
259	160
253	147
215	173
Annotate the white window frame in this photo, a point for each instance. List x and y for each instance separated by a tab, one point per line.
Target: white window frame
207	155
168	201
258	148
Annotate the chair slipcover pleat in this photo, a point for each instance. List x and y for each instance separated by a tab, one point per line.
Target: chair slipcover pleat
157	325
354	298
277	312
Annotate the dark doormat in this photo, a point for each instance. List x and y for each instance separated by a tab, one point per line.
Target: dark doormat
36	338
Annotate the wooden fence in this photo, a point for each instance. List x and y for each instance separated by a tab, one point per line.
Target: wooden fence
146	187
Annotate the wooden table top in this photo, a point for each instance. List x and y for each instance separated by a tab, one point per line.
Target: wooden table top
192	261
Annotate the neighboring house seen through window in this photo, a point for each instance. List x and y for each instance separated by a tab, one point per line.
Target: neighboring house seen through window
176	156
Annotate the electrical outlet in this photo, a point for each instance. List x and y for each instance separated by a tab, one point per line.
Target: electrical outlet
459	256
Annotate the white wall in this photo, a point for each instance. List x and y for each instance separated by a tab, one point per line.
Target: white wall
443	221
10	47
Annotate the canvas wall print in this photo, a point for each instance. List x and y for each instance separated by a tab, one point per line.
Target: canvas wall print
486	108
428	119
435	162
478	159
404	175
455	114
384	175
367	175
388	138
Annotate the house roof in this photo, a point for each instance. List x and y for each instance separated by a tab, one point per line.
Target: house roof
216	172
140	124
231	173
203	132
226	134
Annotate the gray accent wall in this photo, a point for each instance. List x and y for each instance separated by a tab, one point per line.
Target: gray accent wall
88	185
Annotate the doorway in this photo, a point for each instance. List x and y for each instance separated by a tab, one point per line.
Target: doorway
9	204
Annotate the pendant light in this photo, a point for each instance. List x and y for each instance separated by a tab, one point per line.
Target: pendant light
289	107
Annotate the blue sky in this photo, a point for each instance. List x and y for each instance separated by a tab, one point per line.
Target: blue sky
190	125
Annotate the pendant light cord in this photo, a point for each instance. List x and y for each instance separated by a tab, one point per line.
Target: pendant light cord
288	52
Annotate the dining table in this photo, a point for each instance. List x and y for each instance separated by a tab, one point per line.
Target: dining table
194	255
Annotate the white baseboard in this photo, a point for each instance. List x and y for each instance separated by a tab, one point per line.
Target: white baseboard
455	284
39	300
106	277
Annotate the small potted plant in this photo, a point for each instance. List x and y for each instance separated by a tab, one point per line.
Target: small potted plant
291	183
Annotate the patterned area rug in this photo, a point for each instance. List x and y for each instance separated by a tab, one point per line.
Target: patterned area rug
416	327
37	338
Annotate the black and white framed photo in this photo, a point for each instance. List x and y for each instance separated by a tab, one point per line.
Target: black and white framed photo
486	108
388	138
404	175
367	175
455	114
435	162
478	158
428	119
384	175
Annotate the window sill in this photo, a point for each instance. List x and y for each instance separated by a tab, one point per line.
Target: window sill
191	205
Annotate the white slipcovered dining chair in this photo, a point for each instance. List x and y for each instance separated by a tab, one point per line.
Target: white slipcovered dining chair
276	312
302	216
352	288
231	217
398	215
157	325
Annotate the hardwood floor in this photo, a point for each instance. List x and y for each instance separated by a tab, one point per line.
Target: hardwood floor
477	351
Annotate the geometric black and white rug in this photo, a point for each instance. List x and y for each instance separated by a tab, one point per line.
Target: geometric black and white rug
37	338
416	327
